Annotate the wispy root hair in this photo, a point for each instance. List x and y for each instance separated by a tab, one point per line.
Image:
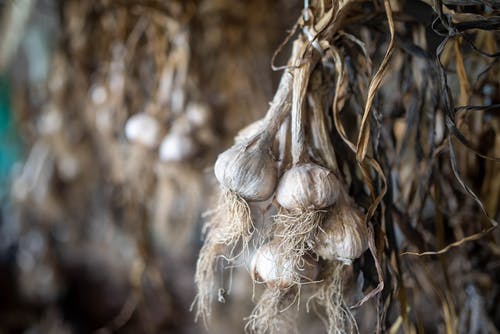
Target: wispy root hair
329	297
296	231
230	225
272	313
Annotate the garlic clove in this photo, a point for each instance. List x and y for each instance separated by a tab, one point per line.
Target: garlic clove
308	186
269	266
344	235
177	147
143	129
248	171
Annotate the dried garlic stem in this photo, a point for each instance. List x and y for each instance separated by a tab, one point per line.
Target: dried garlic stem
320	133
280	106
278	110
300	81
284	144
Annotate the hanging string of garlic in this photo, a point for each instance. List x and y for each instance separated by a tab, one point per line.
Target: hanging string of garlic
318	230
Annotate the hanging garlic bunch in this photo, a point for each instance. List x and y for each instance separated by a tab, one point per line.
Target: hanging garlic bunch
305	193
316	221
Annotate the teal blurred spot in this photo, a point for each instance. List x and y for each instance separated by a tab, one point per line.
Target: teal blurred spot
10	142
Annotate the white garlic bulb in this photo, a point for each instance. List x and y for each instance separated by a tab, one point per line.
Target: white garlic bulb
344	235
197	114
143	129
248	171
307	186
50	122
177	147
271	267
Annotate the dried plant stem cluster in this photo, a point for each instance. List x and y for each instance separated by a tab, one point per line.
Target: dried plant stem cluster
317	229
113	147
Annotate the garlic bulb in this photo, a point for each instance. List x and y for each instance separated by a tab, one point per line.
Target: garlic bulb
248	171
143	129
50	122
271	267
197	114
344	235
177	147
307	186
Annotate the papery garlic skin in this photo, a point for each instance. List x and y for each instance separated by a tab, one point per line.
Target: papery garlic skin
176	147
248	171
307	186
249	131
143	129
271	267
343	236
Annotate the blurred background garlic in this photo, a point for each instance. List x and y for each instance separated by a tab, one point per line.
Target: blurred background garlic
142	129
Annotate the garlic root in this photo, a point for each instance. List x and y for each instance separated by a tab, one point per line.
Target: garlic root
271	314
339	319
230	225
